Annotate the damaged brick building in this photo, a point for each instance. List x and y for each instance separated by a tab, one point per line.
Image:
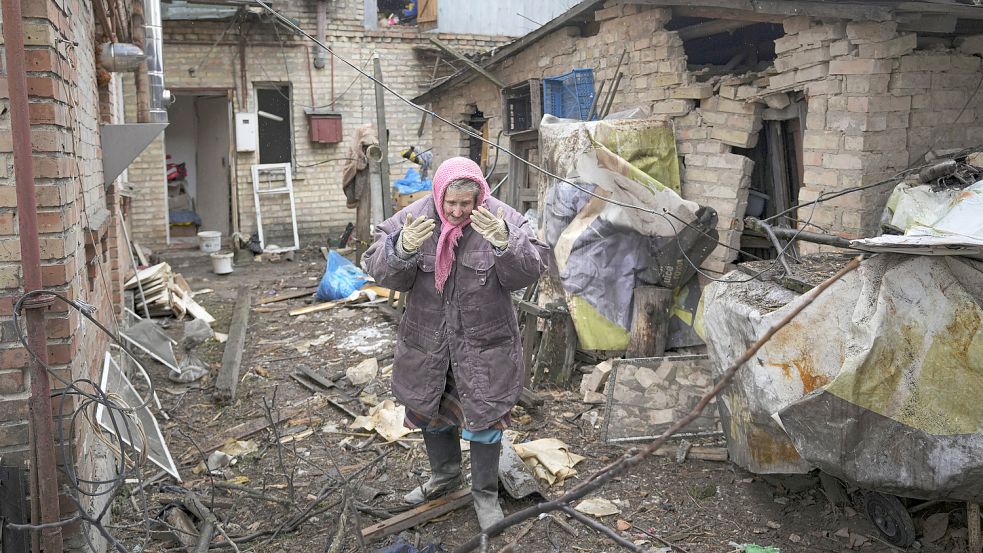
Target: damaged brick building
224	63
773	103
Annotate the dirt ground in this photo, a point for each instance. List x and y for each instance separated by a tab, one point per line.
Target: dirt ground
696	506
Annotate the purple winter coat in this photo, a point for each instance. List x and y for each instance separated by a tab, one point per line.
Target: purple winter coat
472	326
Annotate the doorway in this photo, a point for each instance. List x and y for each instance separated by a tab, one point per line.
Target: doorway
197	145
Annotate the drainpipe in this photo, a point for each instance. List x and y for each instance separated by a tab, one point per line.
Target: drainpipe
154	48
148	35
322	26
44	481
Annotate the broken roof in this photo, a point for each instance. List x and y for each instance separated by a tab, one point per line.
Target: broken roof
936	16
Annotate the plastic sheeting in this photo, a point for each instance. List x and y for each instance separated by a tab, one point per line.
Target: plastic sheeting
876	382
946	222
602	251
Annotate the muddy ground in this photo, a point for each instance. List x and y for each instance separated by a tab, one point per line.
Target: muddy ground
696	506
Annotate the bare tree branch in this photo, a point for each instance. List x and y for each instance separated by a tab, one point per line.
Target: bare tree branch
632	458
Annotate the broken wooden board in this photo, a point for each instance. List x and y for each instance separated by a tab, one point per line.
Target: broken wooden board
695	452
419	515
228	375
315	308
303	293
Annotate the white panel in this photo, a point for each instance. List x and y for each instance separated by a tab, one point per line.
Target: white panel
247	132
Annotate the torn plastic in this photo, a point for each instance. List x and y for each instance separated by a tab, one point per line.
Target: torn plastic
875	383
602	250
148	337
192	367
946	222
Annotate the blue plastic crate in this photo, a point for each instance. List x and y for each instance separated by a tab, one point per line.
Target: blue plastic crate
570	95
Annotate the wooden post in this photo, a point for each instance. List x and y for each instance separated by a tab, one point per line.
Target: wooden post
649	321
380	114
228	376
973	524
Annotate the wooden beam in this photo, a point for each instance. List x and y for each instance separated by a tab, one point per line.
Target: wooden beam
651	306
474	66
726	13
307	291
414	517
943	23
834	10
959	10
315	308
253	426
710	28
228	375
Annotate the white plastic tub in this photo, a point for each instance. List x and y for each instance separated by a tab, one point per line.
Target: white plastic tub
210	241
221	263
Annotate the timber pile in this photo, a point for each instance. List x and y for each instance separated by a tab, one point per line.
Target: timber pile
165	293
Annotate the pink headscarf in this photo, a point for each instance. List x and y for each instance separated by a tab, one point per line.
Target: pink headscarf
449	171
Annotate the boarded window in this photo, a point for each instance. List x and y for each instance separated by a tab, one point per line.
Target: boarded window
427	11
275	136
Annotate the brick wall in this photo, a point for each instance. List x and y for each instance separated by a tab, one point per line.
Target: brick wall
874	105
77	256
190	63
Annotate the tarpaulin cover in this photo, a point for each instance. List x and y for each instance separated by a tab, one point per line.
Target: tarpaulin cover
877	382
945	222
412	183
602	251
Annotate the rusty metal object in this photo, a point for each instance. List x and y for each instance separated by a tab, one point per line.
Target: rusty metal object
937	171
44	481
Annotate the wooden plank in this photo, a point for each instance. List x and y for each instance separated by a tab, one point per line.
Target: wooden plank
710	28
228	375
315	308
427	11
414	517
726	13
467	61
13	508
974	541
316	377
289	295
649	322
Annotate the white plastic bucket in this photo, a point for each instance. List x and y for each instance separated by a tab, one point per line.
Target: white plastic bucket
221	263
210	241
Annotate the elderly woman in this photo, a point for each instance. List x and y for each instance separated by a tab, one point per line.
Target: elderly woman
458	359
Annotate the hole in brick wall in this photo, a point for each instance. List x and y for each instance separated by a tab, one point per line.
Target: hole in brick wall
395	12
775	182
738	48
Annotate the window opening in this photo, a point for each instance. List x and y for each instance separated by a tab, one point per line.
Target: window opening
275	130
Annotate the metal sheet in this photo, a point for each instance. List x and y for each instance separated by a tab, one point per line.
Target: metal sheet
121	144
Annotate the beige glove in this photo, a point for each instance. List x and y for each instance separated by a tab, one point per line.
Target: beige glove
491	227
414	233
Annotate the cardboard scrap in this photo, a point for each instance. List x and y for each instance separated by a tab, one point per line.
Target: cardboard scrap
598	507
386	419
549	458
364	372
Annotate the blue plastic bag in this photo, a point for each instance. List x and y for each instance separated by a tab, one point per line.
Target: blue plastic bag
412	183
341	278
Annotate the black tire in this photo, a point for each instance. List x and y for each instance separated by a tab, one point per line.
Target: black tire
890	517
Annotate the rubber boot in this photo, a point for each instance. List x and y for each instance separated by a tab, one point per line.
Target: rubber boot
444	452
484	483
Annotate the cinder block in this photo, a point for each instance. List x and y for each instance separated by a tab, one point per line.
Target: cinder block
672	107
734	137
923	61
861	66
795	24
972	44
697	91
893	48
867	32
814	73
907	80
821	140
777	101
781	80
841	48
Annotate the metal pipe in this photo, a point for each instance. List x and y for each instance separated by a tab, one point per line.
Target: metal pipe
154	48
322	24
44	478
141	82
794	234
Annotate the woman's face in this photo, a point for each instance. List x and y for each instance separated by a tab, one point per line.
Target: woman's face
458	205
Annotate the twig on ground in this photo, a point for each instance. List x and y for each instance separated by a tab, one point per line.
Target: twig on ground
632	458
661	540
600	528
253	493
